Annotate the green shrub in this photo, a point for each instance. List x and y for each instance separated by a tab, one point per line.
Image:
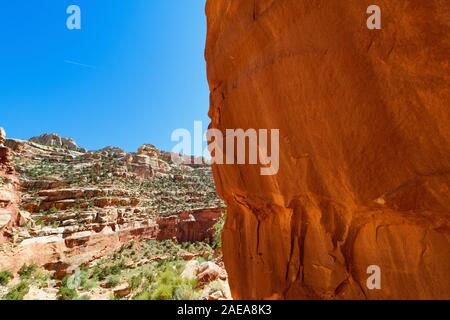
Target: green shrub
117	268
148	274
102	273
218	229
185	292
169	285
18	292
143	295
5	277
41	277
52	210
113	281
201	259
68	290
87	283
163	292
69	282
98	273
216	286
26	272
66	293
135	281
169	277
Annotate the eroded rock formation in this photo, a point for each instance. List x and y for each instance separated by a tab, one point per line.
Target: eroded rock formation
54	140
365	142
9	196
80	206
66	248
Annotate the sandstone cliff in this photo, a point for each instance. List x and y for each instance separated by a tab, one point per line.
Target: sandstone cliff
79	206
365	142
9	195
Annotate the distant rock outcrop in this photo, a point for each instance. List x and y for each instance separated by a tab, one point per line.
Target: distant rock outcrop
54	140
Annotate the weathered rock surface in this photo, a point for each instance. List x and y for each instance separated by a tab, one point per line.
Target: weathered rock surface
189	226
365	142
209	276
9	193
65	248
54	140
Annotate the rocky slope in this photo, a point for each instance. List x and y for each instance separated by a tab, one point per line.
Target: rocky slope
364	139
63	207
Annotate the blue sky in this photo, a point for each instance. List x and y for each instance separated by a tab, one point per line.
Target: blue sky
142	74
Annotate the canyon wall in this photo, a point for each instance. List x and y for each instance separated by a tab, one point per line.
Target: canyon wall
75	206
9	192
364	121
64	253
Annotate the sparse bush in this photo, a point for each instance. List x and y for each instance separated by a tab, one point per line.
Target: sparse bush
148	274
216	286
113	281
18	292
163	292
68	290
169	285
52	210
218	229
185	292
68	281
102	273
117	268
87	283
5	277
143	295
26	272
135	281
66	293
201	259
41	277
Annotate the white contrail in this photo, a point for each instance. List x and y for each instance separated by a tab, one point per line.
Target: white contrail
80	64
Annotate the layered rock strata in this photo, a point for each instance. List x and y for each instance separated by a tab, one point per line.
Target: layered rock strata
76	206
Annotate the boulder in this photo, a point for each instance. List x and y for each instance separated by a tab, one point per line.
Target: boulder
122	291
208	272
190	270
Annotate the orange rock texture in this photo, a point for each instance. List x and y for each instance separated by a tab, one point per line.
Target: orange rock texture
9	192
364	121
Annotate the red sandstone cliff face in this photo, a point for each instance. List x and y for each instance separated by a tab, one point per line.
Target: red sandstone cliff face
364	125
9	197
65	253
